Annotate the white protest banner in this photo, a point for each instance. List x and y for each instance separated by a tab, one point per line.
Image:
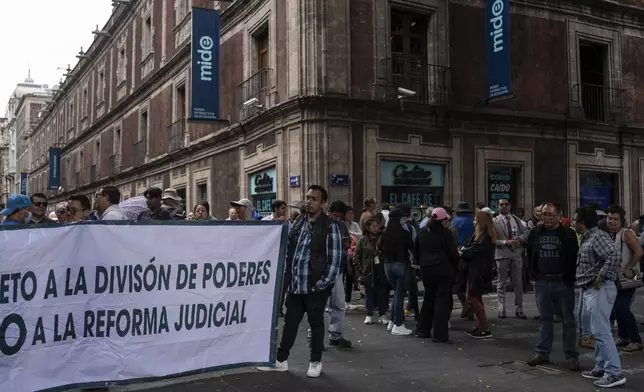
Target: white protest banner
117	302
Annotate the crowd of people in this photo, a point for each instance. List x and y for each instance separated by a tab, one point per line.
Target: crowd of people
453	252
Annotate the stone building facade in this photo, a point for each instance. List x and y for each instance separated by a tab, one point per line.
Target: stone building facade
325	75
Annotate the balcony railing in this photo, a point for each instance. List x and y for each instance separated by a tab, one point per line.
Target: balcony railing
258	86
139	153
114	164
176	135
599	103
429	82
93	173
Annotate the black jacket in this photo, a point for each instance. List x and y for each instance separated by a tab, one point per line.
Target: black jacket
478	256
568	239
436	247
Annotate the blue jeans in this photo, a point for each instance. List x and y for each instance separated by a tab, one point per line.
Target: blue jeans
553	297
583	317
626	323
396	274
599	304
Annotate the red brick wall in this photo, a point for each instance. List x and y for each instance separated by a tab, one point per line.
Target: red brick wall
281	68
107	149
539	70
633	76
136	59
157	25
160	110
169	29
129	135
362	58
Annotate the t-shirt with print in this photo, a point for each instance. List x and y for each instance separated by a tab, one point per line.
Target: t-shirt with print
551	257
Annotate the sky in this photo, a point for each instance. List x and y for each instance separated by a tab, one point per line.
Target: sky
44	35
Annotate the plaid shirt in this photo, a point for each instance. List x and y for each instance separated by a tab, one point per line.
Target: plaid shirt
598	256
302	253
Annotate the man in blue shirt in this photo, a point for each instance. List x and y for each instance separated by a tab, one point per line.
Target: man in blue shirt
463	223
313	262
16	211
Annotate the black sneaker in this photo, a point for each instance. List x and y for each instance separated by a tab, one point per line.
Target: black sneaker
341	343
480	334
593	374
502	315
473	331
537	361
609	381
520	315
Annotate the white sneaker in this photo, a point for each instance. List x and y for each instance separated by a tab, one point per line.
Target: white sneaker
383	320
315	368
401	330
390	325
279	367
368	320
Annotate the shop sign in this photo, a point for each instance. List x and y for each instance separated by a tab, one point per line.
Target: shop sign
339	179
411	174
412	183
500	182
597	187
263	190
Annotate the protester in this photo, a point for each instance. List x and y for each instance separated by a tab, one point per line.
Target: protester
478	257
171	201
106	201
78	208
597	265
39	209
156	206
279	210
244	209
202	212
552	250
313	262
437	255
17	210
509	229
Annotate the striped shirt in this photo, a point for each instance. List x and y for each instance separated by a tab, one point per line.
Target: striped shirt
302	254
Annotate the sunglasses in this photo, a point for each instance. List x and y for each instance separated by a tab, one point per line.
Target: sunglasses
41	204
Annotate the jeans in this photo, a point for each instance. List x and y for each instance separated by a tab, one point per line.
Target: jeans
297	305
376	295
626	323
599	304
434	315
583	317
512	266
396	274
553	297
348	287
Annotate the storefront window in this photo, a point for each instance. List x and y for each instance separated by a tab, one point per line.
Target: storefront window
202	192
598	187
263	190
412	183
501	184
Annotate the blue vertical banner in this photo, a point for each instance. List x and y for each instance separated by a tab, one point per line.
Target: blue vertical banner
204	105
54	168
24	178
497	48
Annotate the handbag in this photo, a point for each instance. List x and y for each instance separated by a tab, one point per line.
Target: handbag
631	278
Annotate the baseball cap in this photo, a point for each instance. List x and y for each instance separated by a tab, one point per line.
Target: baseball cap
439	214
488	211
242	203
171	194
15	202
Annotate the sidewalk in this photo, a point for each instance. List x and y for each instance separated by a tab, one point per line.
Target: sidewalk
381	362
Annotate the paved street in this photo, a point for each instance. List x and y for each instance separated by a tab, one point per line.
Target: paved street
380	362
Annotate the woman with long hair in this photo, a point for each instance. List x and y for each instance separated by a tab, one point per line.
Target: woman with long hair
396	245
368	264
478	254
437	255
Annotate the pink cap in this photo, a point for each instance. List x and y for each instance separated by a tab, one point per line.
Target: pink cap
440	214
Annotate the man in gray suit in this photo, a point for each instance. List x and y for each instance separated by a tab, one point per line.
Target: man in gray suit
509	229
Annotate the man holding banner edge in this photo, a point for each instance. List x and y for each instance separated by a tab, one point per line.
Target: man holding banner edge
313	261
